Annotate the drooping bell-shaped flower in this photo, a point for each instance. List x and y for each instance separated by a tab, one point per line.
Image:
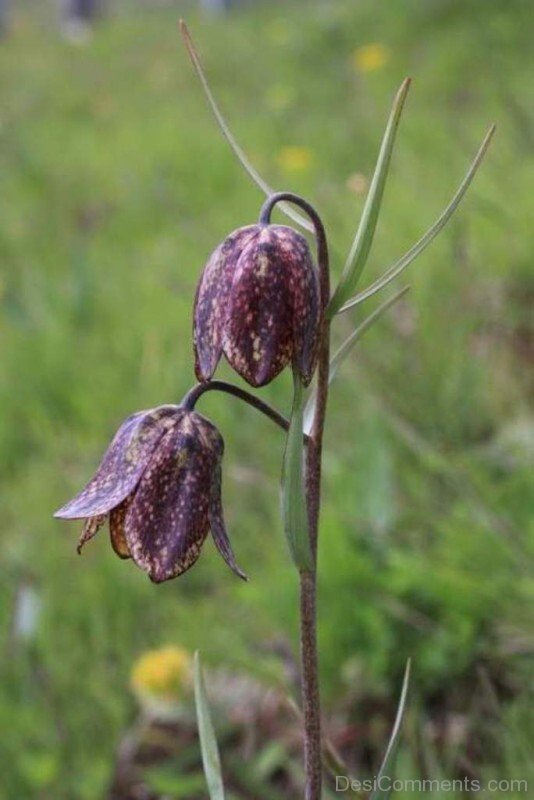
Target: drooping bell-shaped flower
159	484
258	302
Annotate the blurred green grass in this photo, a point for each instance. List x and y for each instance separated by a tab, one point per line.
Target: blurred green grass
116	186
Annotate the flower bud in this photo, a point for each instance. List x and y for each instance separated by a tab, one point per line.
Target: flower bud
258	302
159	484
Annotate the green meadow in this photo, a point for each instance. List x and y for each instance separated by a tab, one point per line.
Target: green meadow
115	187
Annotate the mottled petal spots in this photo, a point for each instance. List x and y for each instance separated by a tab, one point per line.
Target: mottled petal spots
259	302
123	463
306	301
167	522
211	301
258	336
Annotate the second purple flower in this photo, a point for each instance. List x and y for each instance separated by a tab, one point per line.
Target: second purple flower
159	483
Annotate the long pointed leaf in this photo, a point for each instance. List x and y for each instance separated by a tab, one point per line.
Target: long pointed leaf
363	239
347	346
399	266
208	742
294	509
356	335
388	762
228	135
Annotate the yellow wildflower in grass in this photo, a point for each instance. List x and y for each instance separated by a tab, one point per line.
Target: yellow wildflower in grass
295	159
165	672
371	57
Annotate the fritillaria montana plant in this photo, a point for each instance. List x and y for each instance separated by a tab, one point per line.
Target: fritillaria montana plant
264	302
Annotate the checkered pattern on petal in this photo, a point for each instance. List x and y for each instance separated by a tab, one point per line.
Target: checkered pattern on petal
123	464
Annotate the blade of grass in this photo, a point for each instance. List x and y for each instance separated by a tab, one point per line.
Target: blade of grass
399	266
347	346
359	251
228	135
208	742
388	762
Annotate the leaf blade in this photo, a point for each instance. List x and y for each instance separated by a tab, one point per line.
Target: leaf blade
400	265
341	354
361	245
208	743
227	133
294	510
347	346
388	762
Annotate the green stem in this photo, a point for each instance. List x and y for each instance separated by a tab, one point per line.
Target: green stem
311	703
308	586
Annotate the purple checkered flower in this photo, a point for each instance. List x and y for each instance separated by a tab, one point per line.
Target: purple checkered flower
258	302
159	484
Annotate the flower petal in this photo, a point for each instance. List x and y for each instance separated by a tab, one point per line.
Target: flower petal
211	301
123	463
116	529
218	528
258	335
90	528
274	311
167	522
305	292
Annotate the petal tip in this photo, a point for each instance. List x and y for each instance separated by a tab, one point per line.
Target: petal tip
159	577
203	375
64	512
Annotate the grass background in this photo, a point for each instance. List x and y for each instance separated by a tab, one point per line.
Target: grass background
115	187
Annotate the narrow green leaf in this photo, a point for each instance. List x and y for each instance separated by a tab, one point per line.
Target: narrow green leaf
385	773
346	348
341	354
363	239
208	742
399	266
294	511
228	135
